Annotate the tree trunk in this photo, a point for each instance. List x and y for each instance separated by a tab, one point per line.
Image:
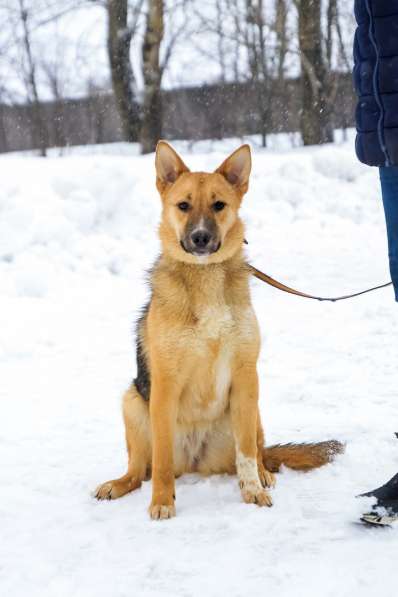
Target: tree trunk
281	35
331	22
119	42
151	129
39	125
315	115
257	55
3	132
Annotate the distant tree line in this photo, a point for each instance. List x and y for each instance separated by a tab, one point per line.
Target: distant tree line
194	113
286	61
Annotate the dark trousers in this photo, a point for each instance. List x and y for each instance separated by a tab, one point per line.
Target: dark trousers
389	187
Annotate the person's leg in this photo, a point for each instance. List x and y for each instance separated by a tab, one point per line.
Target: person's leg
385	510
389	188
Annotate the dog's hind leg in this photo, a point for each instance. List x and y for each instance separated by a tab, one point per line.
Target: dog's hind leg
137	427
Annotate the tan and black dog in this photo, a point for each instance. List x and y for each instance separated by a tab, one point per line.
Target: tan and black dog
194	404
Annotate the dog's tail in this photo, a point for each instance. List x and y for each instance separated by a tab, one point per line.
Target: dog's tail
301	457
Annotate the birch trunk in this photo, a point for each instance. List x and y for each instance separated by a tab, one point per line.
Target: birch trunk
151	129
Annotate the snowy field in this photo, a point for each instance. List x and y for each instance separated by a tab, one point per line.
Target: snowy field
76	235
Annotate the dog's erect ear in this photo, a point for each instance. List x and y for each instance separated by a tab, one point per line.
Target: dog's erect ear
169	165
236	168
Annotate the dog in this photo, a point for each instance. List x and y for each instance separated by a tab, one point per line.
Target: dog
193	406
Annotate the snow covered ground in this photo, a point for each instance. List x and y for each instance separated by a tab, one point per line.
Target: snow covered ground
76	235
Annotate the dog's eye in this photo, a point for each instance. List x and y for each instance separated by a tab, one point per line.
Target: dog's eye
184	206
218	205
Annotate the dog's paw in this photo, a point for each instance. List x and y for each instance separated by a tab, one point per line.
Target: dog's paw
161	512
111	490
254	494
267	478
106	491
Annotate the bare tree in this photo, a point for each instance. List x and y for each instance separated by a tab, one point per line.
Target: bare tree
3	130
151	127
220	29
256	43
34	68
121	30
315	115
39	125
331	14
251	49
281	35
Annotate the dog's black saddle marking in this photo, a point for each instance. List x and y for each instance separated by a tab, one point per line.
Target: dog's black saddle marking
143	380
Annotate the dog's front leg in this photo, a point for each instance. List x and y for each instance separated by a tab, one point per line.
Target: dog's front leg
163	408
244	405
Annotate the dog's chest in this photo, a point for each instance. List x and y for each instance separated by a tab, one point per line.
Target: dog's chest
212	351
216	331
206	395
222	377
214	322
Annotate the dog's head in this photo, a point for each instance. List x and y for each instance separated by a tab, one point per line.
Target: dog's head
200	221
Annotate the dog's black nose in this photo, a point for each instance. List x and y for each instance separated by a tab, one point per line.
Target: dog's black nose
200	238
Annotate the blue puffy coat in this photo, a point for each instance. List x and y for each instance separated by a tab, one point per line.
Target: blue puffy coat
376	81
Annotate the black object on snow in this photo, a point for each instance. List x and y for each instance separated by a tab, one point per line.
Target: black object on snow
387	499
386	493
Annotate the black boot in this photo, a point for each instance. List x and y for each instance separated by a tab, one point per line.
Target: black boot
385	511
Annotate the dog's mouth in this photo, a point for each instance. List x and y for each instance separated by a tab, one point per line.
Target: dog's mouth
201	251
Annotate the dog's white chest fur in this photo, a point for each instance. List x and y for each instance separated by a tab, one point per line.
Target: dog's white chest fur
214	322
222	375
206	397
217	323
207	393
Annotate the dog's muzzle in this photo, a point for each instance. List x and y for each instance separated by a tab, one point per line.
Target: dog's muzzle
200	242
201	237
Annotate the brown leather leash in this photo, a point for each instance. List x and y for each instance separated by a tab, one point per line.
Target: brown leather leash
272	282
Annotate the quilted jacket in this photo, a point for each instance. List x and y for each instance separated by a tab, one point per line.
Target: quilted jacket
376	81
